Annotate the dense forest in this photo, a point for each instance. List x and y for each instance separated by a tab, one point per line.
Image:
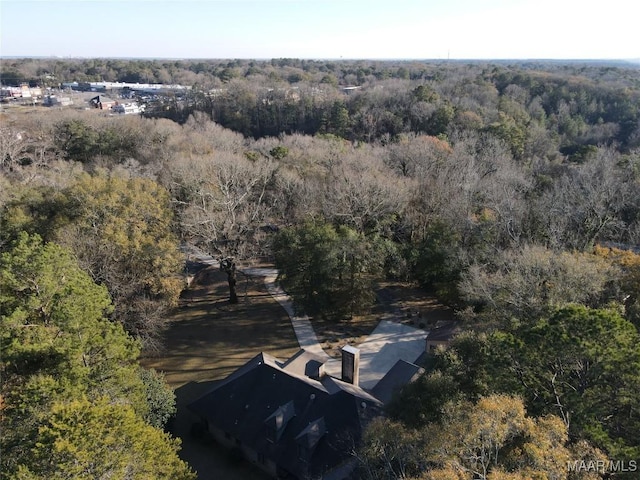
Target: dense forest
511	191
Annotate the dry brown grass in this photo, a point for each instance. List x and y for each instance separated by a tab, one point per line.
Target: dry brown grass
209	338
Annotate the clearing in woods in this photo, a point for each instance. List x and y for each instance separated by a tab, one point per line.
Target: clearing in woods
208	339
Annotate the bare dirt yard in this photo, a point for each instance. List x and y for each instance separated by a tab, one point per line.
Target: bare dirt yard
207	340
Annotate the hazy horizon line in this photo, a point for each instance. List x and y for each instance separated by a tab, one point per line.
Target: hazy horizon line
386	59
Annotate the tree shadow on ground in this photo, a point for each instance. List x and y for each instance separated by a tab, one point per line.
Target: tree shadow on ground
208	338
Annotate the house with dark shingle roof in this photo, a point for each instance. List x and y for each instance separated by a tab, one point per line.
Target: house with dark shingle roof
290	418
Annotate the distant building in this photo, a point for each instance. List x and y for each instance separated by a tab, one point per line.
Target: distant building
55	101
70	86
23	91
291	419
102	103
350	88
138	87
127	108
10	92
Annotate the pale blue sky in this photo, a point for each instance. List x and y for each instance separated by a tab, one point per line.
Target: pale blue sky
490	29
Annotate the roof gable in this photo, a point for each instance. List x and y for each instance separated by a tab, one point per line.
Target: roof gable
277	421
311	435
444	332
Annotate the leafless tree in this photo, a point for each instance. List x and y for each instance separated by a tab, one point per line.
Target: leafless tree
222	200
13	145
585	202
528	281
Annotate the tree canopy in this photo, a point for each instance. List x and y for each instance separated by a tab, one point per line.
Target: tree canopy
510	190
63	358
577	363
102	440
492	438
121	231
328	270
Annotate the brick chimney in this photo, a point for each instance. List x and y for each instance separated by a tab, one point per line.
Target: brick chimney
350	365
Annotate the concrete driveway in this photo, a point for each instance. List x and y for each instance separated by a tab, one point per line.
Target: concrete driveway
387	344
301	324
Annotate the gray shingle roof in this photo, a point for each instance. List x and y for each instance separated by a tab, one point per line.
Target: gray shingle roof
328	416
